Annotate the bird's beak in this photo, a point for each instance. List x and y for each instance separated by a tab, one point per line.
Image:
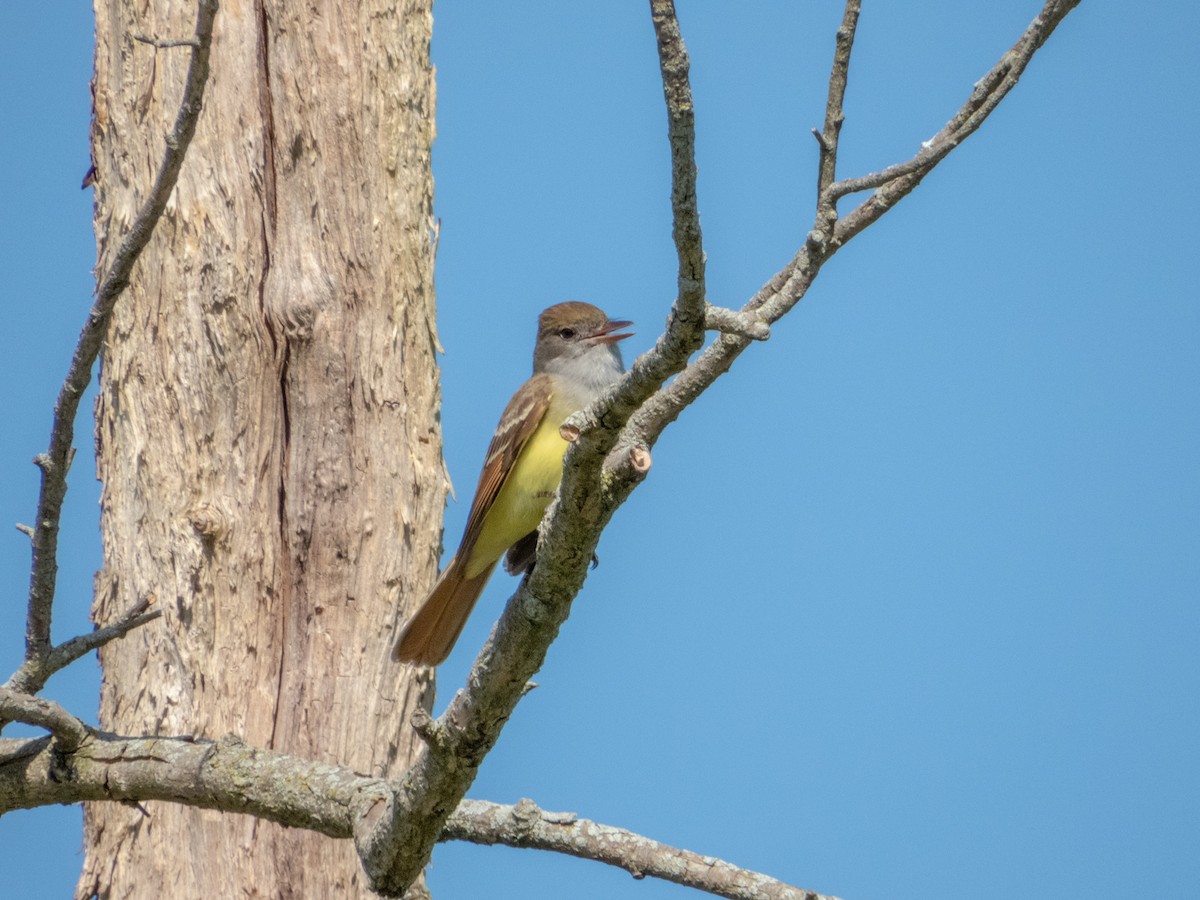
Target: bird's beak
605	335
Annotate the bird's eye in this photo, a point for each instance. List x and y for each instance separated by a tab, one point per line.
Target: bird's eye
566	333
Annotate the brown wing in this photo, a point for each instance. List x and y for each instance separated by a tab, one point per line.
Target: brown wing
519	420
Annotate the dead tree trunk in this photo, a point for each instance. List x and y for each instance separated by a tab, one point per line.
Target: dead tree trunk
267	426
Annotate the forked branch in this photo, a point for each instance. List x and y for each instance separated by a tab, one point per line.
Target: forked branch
828	235
895	182
36	670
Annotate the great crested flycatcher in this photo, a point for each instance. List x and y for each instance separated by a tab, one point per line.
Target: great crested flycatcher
575	358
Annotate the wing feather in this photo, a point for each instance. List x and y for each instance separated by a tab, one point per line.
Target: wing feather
518	422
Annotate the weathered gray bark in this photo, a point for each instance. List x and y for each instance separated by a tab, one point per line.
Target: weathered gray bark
267	426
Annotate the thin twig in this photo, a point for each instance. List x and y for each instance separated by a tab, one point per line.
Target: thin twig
35	671
834	116
681	133
894	183
57	460
525	825
878	179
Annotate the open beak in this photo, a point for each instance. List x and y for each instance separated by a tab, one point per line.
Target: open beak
605	334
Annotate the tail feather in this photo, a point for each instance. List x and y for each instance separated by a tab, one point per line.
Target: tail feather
428	637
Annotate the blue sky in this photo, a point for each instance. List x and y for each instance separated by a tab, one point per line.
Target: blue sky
908	605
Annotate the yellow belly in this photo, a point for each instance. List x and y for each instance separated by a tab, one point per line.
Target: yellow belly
526	493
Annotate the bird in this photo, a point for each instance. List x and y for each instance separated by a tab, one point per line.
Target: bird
575	357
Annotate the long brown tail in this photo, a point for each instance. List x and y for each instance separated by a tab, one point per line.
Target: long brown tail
428	637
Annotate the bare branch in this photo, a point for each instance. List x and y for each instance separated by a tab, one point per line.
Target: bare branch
230	776
774	299
57	460
35	671
834	116
681	133
788	286
525	825
226	775
730	321
69	651
894	183
19	707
